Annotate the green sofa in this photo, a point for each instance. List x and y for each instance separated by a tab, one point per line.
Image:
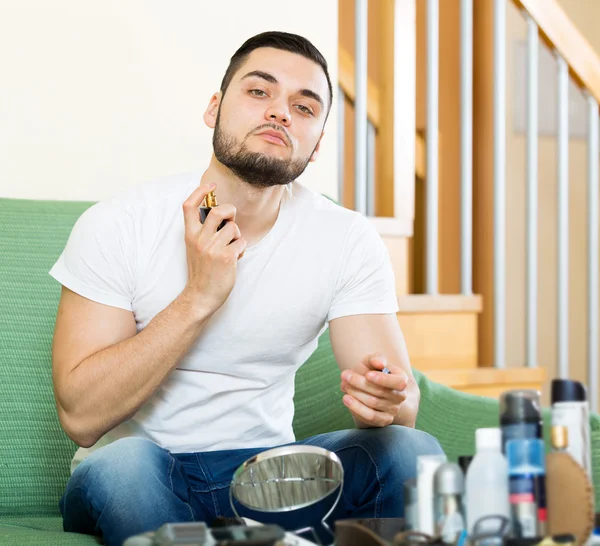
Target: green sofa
35	453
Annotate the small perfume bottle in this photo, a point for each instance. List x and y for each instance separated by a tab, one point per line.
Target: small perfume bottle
209	202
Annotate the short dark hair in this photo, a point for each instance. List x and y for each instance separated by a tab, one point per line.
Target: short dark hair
278	40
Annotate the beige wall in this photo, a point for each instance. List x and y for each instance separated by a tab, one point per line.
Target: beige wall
99	95
586	14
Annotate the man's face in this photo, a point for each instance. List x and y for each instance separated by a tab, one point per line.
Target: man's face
269	123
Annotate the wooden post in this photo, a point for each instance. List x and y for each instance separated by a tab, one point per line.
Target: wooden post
483	162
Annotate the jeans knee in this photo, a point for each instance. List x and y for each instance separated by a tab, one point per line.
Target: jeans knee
421	442
124	464
125	488
397	447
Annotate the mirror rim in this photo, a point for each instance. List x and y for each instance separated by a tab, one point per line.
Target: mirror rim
293	449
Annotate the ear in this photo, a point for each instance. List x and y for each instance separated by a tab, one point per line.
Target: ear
210	115
315	154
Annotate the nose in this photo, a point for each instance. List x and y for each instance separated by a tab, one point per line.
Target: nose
278	113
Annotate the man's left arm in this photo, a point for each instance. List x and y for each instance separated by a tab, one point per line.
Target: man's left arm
363	346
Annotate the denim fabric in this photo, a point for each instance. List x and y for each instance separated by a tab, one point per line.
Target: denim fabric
132	485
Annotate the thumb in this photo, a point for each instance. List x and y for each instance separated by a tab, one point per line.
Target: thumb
376	361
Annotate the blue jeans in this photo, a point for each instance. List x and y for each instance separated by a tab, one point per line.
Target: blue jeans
133	486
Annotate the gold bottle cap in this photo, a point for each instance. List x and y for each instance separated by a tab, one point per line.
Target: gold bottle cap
211	200
560	437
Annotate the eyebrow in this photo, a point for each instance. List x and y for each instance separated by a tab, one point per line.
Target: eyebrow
272	79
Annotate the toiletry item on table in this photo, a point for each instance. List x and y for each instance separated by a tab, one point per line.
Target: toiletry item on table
527	487
489	531
426	467
487	479
570	408
569	491
558	540
411	505
520	415
449	513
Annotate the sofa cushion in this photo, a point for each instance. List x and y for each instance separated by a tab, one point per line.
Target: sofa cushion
34	451
318	398
34	531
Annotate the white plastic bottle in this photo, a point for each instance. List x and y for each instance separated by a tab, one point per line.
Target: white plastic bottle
487	480
570	408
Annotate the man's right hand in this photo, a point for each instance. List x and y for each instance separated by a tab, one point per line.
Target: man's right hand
212	255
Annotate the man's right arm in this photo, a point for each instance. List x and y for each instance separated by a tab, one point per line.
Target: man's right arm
102	370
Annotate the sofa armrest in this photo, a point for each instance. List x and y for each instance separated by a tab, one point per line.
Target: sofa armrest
595	426
452	417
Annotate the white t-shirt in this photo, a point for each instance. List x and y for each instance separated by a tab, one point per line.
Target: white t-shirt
235	386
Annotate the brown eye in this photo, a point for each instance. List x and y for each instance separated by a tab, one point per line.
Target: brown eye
257	92
304	109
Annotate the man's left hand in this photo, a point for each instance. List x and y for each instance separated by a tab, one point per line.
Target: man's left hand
372	396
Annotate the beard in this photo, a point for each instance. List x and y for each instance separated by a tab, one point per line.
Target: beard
254	168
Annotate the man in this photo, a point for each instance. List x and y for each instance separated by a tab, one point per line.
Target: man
176	343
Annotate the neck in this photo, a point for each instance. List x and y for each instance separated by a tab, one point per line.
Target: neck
257	208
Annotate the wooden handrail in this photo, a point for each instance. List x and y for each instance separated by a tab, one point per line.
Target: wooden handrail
560	33
425	303
346	80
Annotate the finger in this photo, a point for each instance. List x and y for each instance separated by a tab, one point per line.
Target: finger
216	216
395	392
390	396
360	382
238	247
376	361
228	234
396	381
389	405
191	204
365	414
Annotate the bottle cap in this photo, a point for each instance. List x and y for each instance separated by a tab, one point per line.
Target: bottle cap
449	480
560	437
567	390
488	438
525	452
211	200
520	406
464	462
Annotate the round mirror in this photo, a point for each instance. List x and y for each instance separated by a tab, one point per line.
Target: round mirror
287	478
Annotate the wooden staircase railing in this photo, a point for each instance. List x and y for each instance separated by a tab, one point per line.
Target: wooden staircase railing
346	83
561	34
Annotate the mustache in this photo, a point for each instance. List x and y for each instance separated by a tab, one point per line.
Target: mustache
277	128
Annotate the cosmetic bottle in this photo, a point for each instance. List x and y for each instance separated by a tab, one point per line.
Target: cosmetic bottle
210	201
569	491
449	490
527	487
520	416
487	480
411	505
426	467
570	409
